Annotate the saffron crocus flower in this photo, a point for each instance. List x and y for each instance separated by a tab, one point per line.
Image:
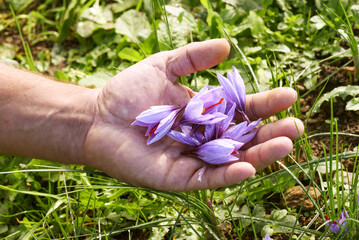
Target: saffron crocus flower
338	224
159	121
217	151
204	108
267	237
235	90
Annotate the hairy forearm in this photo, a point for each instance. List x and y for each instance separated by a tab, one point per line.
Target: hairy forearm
43	118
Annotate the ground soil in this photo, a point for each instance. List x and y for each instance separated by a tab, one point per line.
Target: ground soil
320	122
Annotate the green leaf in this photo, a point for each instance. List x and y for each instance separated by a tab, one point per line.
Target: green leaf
122	5
317	22
355	11
352	105
278	214
67	20
130	54
98	14
134	25
342	92
7	51
267	230
254	22
245	5
179	31
85	29
19	5
3	228
96	80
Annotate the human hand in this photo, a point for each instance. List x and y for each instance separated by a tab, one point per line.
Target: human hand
119	149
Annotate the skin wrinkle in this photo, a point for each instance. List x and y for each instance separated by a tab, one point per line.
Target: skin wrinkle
192	64
164	179
194	176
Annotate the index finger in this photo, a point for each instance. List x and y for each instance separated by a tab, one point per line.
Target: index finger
265	104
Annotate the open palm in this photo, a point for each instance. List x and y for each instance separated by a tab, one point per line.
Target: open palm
120	150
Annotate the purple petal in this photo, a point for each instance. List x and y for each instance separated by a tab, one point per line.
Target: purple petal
247	137
223	126
234	88
238	83
183	138
154	115
210	132
164	127
193	109
218	151
235	132
228	89
267	237
252	125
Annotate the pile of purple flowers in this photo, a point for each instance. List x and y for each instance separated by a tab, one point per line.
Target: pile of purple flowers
207	122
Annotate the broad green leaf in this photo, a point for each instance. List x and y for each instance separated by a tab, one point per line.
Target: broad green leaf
317	22
98	14
259	211
267	230
278	214
280	48
342	92
254	22
288	220
246	5
323	168
3	228
134	25
130	54
159	233
355	11
199	82
85	29
7	51
19	5
122	5
182	15
352	105
96	80
179	33
245	211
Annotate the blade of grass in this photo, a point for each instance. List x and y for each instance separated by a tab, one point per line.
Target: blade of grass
29	59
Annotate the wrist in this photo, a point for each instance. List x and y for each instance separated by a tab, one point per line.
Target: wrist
42	118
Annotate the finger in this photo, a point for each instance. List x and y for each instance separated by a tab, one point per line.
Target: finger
195	57
286	127
264	154
265	104
221	176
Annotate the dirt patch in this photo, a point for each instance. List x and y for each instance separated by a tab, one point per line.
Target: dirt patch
347	121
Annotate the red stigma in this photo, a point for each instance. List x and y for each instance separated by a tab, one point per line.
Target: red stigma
153	130
234	152
220	101
326	216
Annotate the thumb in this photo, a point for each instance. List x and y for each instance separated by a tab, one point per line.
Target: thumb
193	57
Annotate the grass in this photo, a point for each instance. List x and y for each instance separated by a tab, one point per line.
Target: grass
273	44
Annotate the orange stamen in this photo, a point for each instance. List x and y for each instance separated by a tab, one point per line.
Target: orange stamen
205	109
